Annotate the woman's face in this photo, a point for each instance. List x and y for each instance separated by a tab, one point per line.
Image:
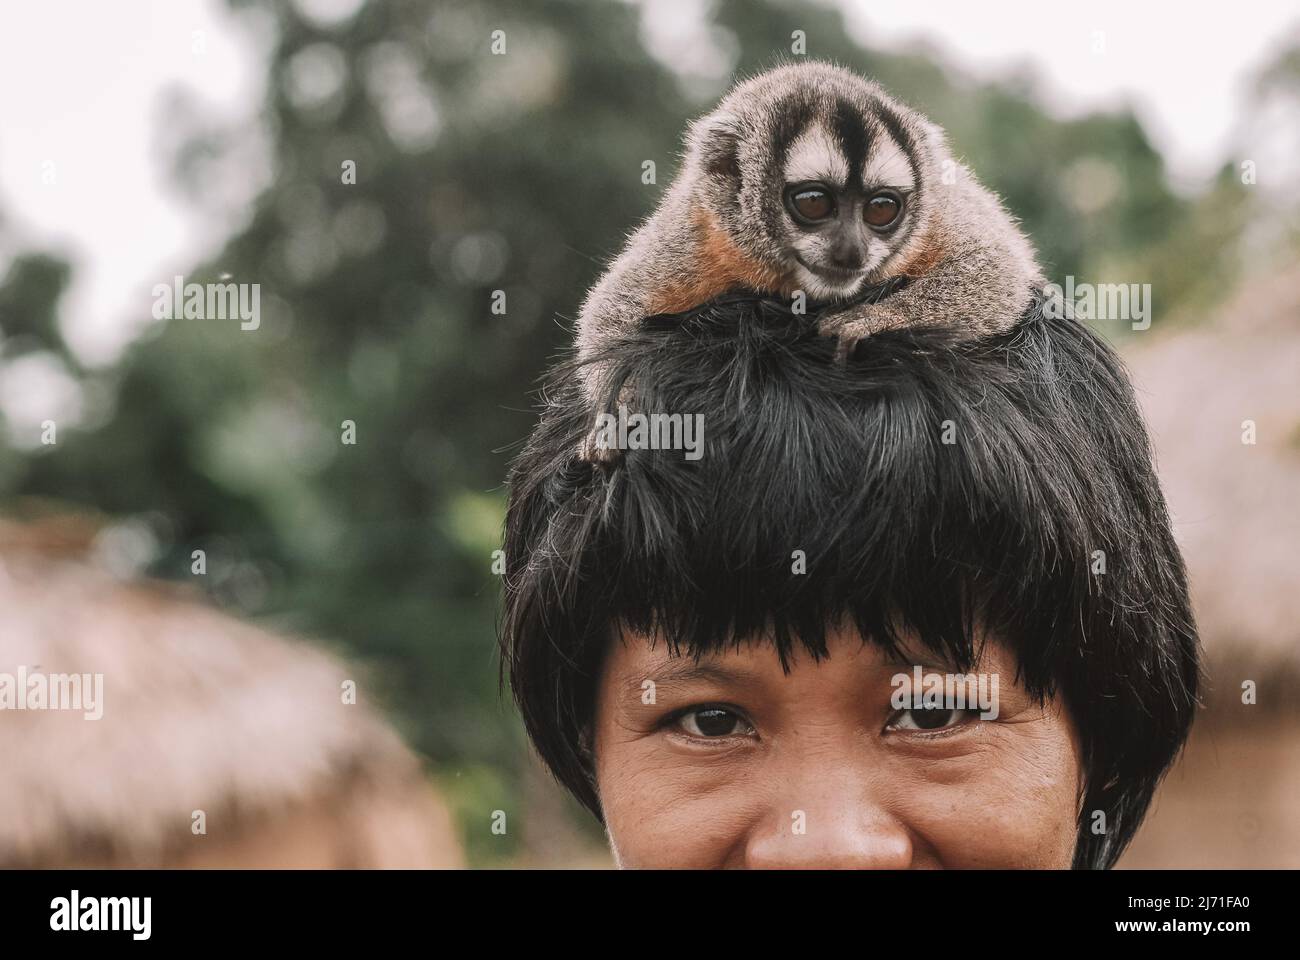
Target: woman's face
730	762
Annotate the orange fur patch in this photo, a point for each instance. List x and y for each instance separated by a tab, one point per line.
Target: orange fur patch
924	260
718	266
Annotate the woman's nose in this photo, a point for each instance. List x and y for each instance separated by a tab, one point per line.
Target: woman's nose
839	829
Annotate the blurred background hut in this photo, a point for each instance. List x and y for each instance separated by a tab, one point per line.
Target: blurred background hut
213	744
1223	403
389	170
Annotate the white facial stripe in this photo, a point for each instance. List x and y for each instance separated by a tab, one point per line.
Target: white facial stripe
816	156
887	165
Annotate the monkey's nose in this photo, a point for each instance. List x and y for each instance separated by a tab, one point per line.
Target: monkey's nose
846	258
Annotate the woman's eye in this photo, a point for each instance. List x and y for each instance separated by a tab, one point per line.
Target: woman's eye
708	722
882	210
931	718
812	203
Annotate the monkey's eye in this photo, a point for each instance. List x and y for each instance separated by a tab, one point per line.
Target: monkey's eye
810	202
883	209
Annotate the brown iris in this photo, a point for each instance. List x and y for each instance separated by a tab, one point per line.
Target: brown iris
811	203
882	210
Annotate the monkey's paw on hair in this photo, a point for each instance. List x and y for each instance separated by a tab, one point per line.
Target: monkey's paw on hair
595	449
858	323
596	452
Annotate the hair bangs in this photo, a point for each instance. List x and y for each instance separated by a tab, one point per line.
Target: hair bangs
910	492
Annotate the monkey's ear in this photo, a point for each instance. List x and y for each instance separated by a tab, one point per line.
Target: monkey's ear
716	140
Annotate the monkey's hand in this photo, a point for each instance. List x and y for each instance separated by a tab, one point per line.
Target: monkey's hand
850	326
595	447
596	451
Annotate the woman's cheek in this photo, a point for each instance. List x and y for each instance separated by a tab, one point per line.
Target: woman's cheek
663	813
1015	809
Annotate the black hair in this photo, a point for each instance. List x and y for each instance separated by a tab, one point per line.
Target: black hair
933	483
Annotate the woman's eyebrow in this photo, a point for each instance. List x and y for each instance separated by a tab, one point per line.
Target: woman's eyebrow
927	660
927	664
682	673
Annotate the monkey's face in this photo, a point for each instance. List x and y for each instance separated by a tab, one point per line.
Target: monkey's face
819	176
845	208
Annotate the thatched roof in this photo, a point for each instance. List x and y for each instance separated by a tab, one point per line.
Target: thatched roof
1236	507
201	712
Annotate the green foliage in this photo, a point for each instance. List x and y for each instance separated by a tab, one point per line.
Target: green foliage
29	301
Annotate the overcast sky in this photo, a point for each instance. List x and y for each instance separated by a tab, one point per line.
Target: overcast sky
80	79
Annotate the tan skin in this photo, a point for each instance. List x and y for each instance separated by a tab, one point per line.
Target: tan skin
727	763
